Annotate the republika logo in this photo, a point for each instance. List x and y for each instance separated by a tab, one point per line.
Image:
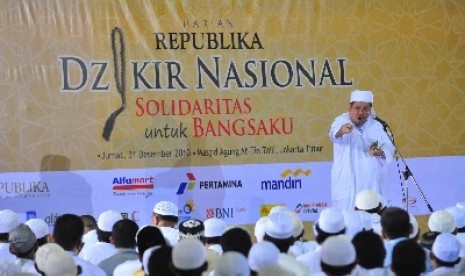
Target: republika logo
286	183
189	185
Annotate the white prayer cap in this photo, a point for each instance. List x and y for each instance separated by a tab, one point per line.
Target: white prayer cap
366	200
263	254
54	261
166	208
188	254
279	225
214	227
458	214
274	270
414	223
353	222
331	220
338	251
361	96
461	204
146	256
446	247
107	219
232	263
442	222
259	230
38	226
278	208
22	239
297	225
8	220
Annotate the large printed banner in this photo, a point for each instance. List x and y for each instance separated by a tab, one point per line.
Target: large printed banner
93	89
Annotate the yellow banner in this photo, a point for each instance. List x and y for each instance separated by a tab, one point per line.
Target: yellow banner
129	84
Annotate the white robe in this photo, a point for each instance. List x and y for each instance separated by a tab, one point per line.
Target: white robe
354	169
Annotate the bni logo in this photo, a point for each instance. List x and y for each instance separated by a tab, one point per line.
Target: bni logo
189	185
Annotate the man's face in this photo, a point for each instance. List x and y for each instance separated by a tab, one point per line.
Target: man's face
359	112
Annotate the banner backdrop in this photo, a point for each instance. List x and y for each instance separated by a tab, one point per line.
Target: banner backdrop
98	94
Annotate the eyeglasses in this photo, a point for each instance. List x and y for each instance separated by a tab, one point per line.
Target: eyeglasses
364	109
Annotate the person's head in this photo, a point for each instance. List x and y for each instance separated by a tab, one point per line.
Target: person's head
395	223
370	249
259	229
23	242
459	216
330	223
427	239
442	221
279	230
105	223
148	236
192	228
189	257
8	221
52	260
165	213
338	255
40	229
89	223
214	229
415	234
236	239
263	254
368	201
408	258
232	263
68	232
360	106
445	251
159	260
124	233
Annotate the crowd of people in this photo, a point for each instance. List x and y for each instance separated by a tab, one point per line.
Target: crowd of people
370	239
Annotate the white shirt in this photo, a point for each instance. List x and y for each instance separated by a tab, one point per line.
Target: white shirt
27	265
88	239
354	169
127	268
88	269
170	233
291	264
300	248
5	252
311	260
98	252
444	270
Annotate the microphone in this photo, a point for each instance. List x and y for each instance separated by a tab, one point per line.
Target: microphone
382	122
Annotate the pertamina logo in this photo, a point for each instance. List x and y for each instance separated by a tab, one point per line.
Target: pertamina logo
189	185
288	181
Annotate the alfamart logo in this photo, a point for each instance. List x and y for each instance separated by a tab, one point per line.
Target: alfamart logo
133	184
286	183
189	185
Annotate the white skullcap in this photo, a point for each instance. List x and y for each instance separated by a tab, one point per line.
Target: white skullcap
166	208
146	256
214	227
274	270
188	254
263	254
361	96
297	225
414	223
278	208
232	263
460	204
353	222
107	219
8	220
446	247
458	214
331	220
442	222
38	226
366	200
279	225
338	251
54	261
259	230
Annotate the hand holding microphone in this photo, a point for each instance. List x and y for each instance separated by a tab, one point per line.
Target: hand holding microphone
375	150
